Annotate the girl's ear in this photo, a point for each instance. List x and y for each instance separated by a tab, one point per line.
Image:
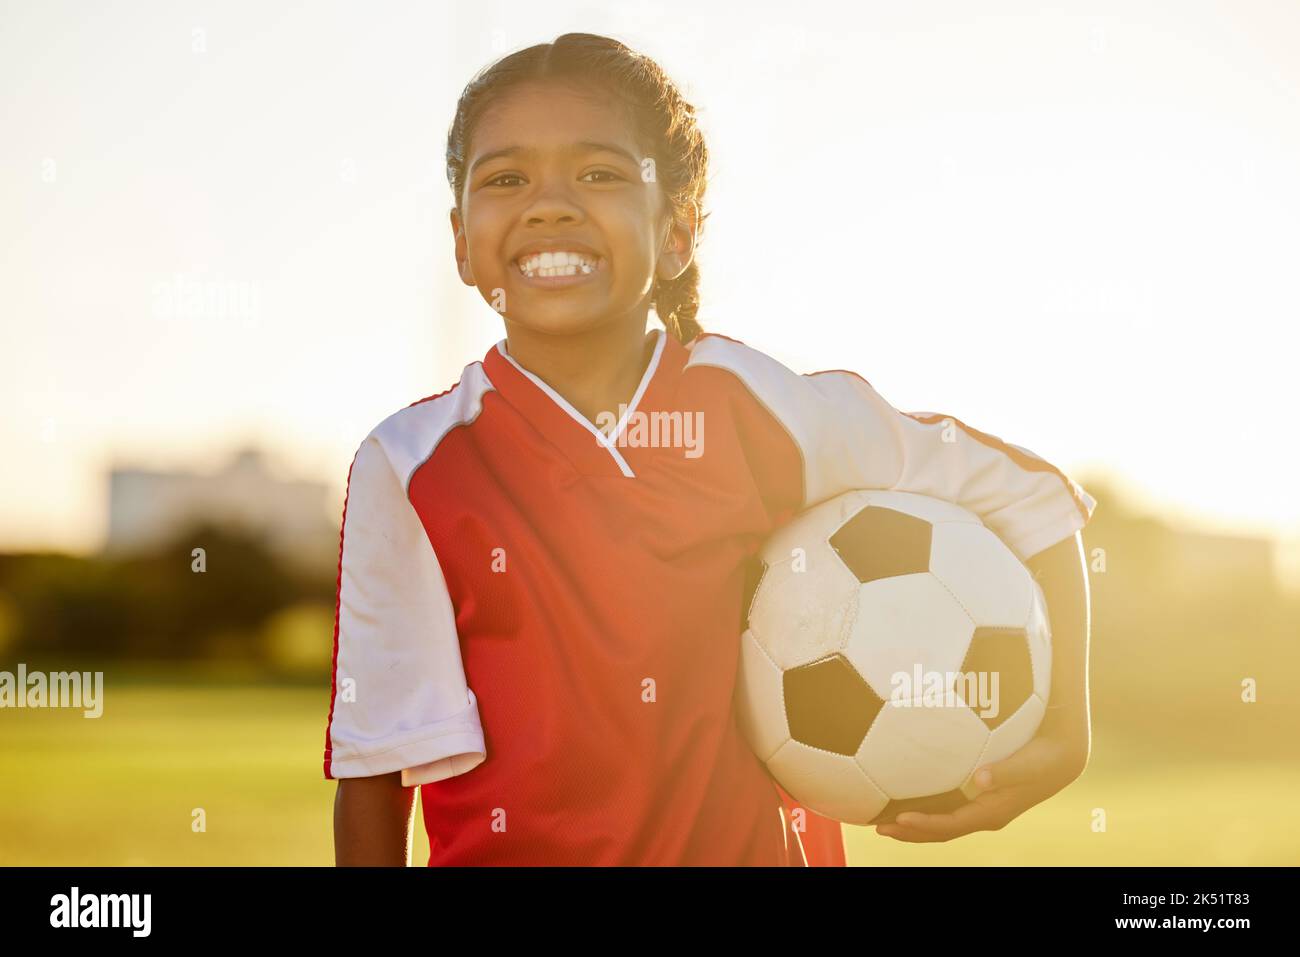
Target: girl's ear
678	248
462	248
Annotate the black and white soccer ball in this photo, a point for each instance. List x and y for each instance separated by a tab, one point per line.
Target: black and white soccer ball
894	646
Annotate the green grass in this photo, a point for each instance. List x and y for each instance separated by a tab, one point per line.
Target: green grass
1177	815
121	789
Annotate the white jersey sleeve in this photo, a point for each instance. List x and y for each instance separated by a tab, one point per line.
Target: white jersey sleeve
1028	502
849	438
400	701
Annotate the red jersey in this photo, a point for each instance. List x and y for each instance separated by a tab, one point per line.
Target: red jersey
538	620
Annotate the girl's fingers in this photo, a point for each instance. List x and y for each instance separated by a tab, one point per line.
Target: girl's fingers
986	812
1021	767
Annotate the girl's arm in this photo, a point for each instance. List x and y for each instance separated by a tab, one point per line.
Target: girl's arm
400	709
1059	752
372	821
1062	573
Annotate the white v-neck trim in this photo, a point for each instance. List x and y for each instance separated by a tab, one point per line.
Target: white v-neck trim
609	443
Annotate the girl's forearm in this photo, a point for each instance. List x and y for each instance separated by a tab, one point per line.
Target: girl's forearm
1062	573
372	822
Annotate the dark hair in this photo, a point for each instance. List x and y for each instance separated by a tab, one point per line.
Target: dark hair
664	123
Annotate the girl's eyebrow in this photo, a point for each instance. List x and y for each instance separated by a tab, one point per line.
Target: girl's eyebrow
583	146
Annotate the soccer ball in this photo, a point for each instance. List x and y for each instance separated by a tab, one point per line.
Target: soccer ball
894	646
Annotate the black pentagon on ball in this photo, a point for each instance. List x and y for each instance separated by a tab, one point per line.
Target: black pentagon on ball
828	705
883	543
1004	651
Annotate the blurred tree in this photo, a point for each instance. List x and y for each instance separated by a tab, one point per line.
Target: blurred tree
155	605
1180	619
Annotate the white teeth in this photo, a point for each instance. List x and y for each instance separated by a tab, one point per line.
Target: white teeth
561	263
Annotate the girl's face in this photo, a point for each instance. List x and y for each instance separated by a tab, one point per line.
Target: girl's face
552	167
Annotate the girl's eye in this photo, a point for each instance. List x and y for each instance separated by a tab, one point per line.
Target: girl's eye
499	180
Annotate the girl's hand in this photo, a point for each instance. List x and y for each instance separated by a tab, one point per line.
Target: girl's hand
1013	785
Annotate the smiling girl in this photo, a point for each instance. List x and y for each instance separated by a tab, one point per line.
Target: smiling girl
540	600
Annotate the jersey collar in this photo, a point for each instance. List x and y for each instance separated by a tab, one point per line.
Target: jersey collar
564	426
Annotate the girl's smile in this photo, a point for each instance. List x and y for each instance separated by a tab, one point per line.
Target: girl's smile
558	264
557	227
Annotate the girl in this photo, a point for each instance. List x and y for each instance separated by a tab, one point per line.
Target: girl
542	569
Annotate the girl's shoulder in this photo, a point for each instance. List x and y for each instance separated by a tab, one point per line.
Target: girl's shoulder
717	349
409	436
752	365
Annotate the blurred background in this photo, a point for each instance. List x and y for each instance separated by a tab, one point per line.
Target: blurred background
224	257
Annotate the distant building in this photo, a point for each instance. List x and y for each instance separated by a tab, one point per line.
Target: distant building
147	508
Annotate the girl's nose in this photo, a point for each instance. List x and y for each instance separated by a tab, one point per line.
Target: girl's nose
554	203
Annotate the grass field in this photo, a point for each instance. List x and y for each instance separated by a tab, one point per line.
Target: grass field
122	789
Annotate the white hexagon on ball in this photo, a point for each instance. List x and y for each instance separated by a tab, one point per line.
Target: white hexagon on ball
922	750
904	622
803	611
984	575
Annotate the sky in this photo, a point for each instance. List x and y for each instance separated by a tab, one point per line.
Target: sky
1073	227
